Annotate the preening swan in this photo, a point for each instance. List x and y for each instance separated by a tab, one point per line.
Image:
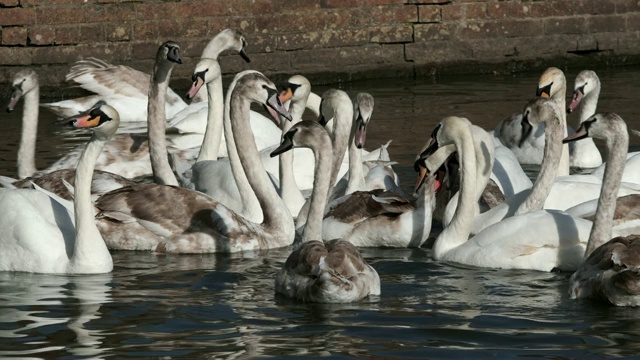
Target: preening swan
127	88
38	229
178	220
537	240
316	271
528	143
586	90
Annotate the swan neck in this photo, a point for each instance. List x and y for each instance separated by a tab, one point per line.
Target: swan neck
458	230
215	118
276	215
589	104
27	149
156	125
321	185
564	164
89	243
356	169
601	231
288	185
342	126
551	160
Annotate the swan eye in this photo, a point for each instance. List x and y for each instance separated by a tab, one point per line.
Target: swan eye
544	91
199	74
581	88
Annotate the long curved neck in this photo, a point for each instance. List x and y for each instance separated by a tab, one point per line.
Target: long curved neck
460	226
564	164
356	169
313	103
340	138
551	159
589	104
276	215
215	115
247	195
321	185
603	222
156	124
288	186
27	149
89	244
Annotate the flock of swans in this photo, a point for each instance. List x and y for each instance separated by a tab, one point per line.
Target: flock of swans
162	175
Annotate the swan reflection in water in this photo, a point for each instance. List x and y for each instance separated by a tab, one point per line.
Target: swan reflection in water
42	307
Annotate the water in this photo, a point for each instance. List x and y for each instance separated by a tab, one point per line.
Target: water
223	306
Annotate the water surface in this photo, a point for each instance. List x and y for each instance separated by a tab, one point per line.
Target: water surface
223	306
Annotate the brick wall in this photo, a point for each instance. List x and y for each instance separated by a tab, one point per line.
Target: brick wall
326	40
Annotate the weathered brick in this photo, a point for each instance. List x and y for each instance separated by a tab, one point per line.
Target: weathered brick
391	34
110	12
495	49
17	16
179	28
285	23
42	35
625	6
322	39
565	25
431	32
56	55
155	10
504	10
51	2
605	23
595	7
79	34
502	28
429	14
541	9
345	18
633	22
475	11
117	31
452	12
587	42
200	9
607	41
295	5
371	54
145	50
14	36
144	30
261	7
9	3
60	15
339	3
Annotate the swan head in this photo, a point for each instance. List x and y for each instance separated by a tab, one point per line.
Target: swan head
227	39
362	110
169	51
604	126
537	111
306	133
23	82
332	101
552	82
587	81
101	118
206	70
255	87
296	88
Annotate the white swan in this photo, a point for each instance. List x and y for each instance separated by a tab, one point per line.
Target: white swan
538	240
127	88
378	176
128	154
610	271
332	272
38	231
178	220
528	143
586	90
25	85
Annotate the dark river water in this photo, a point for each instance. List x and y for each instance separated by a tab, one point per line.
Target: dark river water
224	306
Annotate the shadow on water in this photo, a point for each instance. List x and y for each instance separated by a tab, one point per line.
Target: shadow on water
224	306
